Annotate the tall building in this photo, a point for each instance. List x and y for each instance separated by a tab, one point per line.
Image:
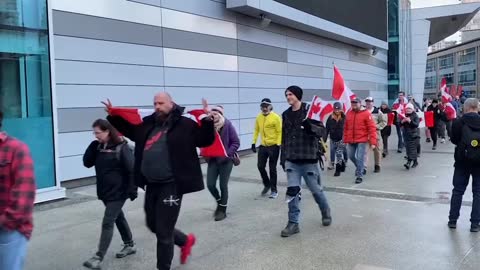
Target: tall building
472	30
60	58
399	47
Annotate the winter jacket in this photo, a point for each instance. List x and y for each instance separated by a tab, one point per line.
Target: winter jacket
184	136
360	128
379	118
113	168
230	141
270	129
300	136
470	119
335	128
411	134
387	130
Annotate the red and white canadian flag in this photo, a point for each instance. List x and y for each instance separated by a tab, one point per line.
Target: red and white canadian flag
135	117
340	90
450	111
319	109
446	97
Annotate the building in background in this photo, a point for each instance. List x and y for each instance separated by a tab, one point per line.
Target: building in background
399	47
442	45
60	58
458	65
472	30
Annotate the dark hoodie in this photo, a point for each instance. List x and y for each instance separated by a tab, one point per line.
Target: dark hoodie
473	121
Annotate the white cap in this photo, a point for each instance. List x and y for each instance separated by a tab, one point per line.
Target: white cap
369	99
410	106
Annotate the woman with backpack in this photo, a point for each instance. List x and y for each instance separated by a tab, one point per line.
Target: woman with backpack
222	167
411	131
113	161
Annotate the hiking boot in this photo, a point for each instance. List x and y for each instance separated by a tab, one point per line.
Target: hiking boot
358	180
291	229
415	164
408	164
326	218
452	224
94	263
221	214
215	213
377	169
475	227
273	195
126	250
265	191
186	250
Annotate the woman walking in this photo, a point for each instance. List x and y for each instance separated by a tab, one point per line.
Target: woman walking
222	167
412	135
113	161
338	150
386	131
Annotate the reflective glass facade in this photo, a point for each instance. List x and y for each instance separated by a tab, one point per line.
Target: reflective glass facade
25	86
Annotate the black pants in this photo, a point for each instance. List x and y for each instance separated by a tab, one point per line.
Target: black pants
385	143
441	129
448	124
162	207
270	154
113	216
434	135
461	176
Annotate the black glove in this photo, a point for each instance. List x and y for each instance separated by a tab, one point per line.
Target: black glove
254	148
133	194
307	126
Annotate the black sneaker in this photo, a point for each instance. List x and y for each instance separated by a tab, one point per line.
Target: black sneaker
452	224
364	171
415	164
265	191
428	140
399	151
475	227
326	218
221	214
377	169
384	155
434	147
291	229
358	180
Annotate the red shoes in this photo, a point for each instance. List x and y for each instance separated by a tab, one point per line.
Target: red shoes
187	249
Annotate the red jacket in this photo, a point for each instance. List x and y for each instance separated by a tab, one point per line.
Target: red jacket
360	128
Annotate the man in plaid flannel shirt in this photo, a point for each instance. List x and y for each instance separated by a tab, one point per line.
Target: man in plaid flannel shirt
299	158
17	195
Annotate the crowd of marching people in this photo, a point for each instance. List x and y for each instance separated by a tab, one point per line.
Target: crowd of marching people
165	162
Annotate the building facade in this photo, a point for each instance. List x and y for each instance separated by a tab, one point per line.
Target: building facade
472	30
61	58
399	48
458	65
442	45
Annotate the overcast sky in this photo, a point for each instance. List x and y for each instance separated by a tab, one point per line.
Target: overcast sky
430	3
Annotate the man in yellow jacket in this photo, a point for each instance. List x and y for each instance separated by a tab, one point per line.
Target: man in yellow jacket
269	125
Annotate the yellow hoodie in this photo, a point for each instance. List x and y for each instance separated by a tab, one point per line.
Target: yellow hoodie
270	129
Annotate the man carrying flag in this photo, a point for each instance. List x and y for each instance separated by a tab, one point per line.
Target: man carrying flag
299	158
167	164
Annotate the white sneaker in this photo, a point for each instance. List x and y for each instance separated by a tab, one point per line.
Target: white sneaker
273	195
442	141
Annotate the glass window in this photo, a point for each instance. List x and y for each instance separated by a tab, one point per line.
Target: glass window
393	61
445	61
468	77
431	65
467	57
393	19
431	82
393	93
25	90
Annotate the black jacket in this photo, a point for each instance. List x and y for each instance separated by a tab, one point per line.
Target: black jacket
335	128
113	168
470	119
300	137
438	115
411	130
386	131
184	136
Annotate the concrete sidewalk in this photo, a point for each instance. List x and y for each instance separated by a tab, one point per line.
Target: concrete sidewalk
394	220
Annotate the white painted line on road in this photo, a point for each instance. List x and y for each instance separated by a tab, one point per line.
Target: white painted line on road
369	267
357	216
430	176
376	191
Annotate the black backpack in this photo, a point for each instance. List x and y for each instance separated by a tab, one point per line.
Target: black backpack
469	150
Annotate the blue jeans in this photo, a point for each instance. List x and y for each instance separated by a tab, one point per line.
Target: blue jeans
356	152
337	155
13	246
401	143
311	174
